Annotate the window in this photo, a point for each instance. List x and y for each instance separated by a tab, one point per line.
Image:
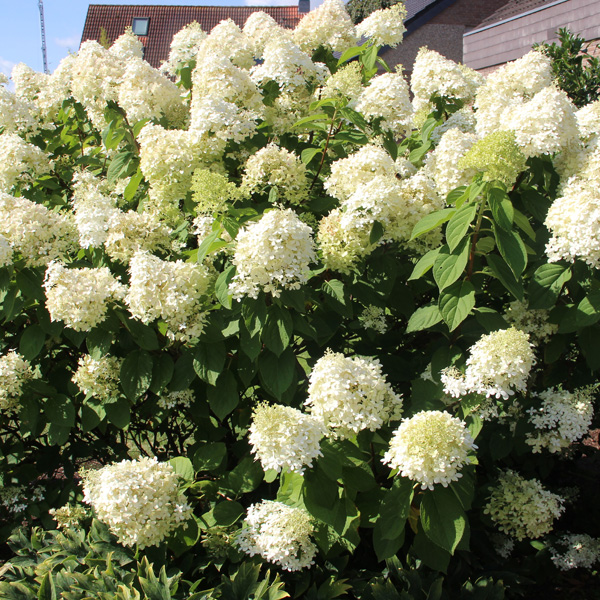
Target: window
140	26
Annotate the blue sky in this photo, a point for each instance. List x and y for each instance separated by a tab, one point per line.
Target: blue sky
20	38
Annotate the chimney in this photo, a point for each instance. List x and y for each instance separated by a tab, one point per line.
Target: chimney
303	6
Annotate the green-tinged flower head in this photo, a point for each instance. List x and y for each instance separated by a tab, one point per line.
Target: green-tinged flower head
212	191
431	447
523	508
497	156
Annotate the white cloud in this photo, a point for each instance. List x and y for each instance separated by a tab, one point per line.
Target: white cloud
69	42
6	66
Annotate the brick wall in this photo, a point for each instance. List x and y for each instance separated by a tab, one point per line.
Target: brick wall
469	13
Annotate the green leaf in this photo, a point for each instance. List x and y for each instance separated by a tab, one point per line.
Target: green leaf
311	119
512	249
47	589
456	302
278	330
546	284
336	292
354	117
308	154
424	264
523	224
490	319
59	410
277	373
98	342
350	53
136	373
183	467
502	208
443	518
162	373
119	166
32	341
431	221
506	277
227	513
222	286
209	360
588	310
143	335
376	232
210	456
457	196
224	396
245	478
254	312
393	512
459	225
424	318
133	185
449	266
431	554
118	413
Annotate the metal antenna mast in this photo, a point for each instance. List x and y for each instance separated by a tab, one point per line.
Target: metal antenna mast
43	28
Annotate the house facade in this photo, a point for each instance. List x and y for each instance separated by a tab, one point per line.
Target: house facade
510	32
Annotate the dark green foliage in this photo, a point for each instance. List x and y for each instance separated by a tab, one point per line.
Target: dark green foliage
359	10
576	72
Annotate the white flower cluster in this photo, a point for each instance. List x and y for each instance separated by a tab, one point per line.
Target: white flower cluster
184	48
20	162
344	83
347	174
6	252
184	399
127	46
443	163
498	365
15	113
80	297
145	93
521	97
15	371
16	498
384	27
431	447
289	66
532	321
387	97
283	437
588	121
574	222
328	25
35	232
463	120
575	550
272	254
434	74
69	515
523	508
168	290
99	378
349	394
373	317
168	159
93	206
130	232
562	418
226	40
139	500
280	534
259	29
274	167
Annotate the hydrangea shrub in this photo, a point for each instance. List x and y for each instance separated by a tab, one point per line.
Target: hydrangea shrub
277	322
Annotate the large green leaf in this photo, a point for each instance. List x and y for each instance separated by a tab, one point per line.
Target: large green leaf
547	283
506	277
277	372
209	360
424	264
431	221
459	225
424	318
223	397
136	373
443	518
456	302
449	266
277	332
502	208
512	249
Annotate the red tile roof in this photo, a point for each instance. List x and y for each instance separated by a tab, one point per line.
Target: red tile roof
166	21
